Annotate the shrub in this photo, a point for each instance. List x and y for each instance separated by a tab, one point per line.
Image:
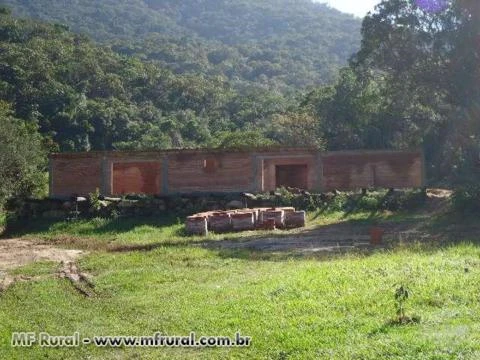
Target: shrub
347	201
94	201
407	200
467	198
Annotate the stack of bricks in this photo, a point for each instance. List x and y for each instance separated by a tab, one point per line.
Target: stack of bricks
197	225
245	220
220	222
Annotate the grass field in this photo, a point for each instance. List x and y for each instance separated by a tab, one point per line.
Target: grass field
293	307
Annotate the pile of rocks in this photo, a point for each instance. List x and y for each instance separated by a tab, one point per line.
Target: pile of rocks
131	205
85	207
244	220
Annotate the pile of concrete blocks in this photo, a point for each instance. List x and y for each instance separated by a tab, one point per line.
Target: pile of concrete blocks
245	220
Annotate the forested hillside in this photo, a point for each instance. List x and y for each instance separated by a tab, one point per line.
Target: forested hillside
283	45
87	97
413	84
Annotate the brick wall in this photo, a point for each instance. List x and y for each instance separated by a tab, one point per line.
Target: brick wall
137	177
223	172
167	172
79	176
354	170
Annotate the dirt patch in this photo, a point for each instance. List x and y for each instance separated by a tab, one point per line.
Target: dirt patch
327	238
15	253
341	237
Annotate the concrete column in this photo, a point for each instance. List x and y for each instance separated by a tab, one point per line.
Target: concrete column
319	172
257	171
50	177
165	189
107	174
270	176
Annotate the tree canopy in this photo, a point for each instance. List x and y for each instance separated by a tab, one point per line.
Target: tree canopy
22	157
413	84
185	74
85	97
283	45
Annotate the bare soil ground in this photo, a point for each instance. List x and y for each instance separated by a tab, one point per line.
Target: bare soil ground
16	252
339	237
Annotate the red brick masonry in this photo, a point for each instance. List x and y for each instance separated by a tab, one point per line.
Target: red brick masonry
244	220
256	170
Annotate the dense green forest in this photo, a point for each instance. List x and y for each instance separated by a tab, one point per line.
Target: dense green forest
81	96
283	45
413	84
86	97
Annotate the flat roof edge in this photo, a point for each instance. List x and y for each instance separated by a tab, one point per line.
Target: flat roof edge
114	153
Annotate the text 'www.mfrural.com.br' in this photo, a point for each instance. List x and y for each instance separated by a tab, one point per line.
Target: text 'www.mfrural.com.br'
43	339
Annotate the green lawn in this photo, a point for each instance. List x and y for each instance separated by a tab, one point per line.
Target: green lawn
136	232
339	307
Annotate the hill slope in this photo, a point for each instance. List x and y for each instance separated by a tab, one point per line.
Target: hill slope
280	44
84	96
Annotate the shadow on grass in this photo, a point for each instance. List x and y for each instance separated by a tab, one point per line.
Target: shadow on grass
374	216
345	238
249	254
257	247
396	323
375	203
88	227
312	243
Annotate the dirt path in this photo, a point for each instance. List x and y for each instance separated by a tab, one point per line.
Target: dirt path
338	237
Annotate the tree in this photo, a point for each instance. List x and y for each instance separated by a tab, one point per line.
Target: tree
284	45
298	129
22	157
241	140
414	83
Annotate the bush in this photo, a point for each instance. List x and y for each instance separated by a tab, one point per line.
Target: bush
350	202
3	220
467	198
408	200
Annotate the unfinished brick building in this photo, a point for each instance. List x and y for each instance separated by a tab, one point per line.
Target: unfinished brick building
220	171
